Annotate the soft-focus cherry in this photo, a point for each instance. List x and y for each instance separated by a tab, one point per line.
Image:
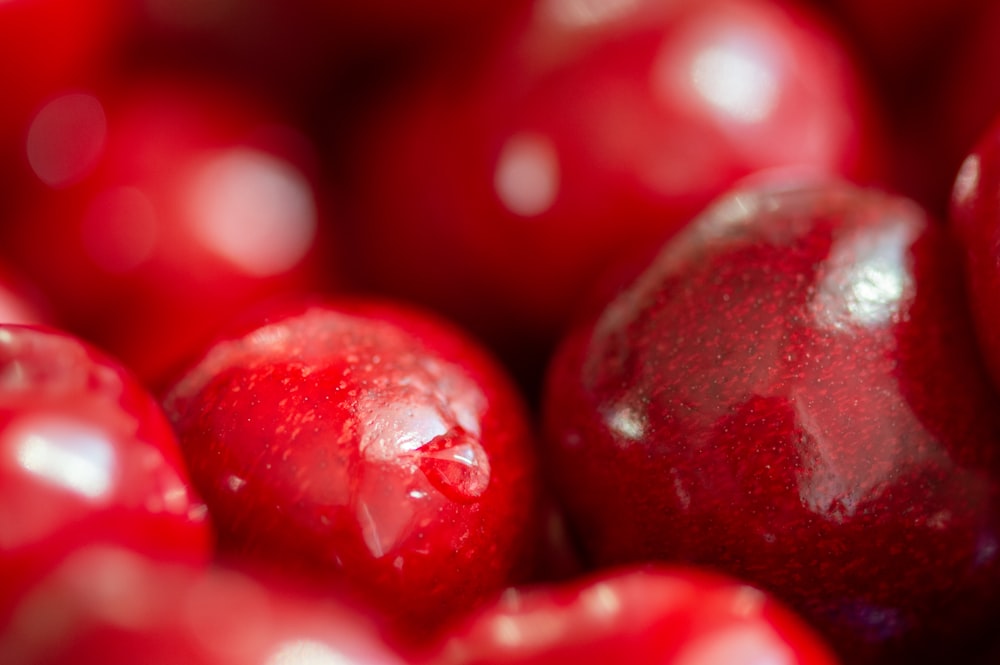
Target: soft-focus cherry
107	606
494	189
160	211
86	456
791	392
653	616
365	446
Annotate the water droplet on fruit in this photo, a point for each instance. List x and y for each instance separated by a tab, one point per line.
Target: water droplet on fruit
456	464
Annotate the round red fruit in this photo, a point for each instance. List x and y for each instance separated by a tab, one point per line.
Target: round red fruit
792	392
86	456
652	616
366	446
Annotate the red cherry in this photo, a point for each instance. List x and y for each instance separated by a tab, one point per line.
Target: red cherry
160	212
654	616
107	606
497	189
85	456
17	305
975	218
791	392
363	445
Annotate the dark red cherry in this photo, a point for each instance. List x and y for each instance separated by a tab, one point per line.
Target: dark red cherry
791	392
975	219
363	445
86	456
107	606
495	189
653	616
159	211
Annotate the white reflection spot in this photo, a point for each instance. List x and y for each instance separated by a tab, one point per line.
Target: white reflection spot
601	600
66	138
736	79
506	632
628	423
73	458
308	652
967	180
119	229
867	279
527	175
585	13
235	483
254	210
754	644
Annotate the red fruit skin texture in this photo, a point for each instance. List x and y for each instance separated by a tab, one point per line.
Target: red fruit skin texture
86	456
651	616
578	135
368	447
975	219
791	392
159	210
108	606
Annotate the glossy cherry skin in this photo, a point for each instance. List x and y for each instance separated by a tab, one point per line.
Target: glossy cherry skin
583	133
363	446
975	219
647	616
86	456
791	392
160	210
107	606
17	304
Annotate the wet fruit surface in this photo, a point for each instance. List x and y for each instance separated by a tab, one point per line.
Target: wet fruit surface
85	456
791	392
667	616
363	445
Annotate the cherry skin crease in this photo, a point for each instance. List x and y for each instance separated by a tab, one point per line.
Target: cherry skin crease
791	393
646	616
116	607
367	447
86	456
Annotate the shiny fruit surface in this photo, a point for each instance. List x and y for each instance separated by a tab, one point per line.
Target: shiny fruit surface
581	133
975	219
362	444
108	606
791	392
86	456
652	616
159	210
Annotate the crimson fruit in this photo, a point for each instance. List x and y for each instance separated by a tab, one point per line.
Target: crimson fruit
367	446
111	606
580	134
791	392
86	456
653	616
160	210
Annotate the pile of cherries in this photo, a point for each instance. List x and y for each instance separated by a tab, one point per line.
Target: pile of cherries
532	331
